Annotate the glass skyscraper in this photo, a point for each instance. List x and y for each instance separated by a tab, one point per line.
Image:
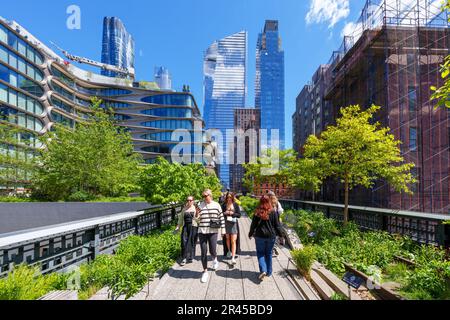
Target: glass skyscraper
269	80
224	70
118	46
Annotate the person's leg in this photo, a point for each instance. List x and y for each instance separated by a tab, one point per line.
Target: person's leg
233	238
228	236
213	245
183	243
260	253
269	247
194	241
204	250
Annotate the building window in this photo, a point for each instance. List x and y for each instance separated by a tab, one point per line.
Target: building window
412	99
413	139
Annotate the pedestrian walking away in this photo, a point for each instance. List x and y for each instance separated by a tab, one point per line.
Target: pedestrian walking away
211	225
265	227
187	221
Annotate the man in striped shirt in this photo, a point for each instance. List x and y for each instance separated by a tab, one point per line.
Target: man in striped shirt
209	210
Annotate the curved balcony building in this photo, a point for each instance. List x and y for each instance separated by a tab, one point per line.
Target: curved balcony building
39	89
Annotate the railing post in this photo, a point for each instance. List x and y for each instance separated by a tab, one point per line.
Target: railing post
96	248
174	213
158	219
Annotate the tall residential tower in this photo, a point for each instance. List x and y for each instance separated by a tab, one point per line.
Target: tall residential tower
269	82
224	70
118	46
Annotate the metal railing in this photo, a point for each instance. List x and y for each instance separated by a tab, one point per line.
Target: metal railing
426	228
59	247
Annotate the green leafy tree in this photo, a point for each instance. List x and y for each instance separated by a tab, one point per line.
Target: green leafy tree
165	182
356	152
273	167
16	156
442	94
96	159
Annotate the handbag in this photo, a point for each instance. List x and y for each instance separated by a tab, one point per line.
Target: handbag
215	223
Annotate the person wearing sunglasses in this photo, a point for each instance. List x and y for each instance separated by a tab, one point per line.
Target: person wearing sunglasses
189	228
211	225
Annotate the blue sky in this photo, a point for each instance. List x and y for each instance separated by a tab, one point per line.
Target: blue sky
174	33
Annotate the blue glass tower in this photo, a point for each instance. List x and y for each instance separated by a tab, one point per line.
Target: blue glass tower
224	70
118	46
269	82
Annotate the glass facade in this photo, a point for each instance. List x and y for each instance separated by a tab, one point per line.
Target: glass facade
224	71
269	83
169	112
171	100
118	46
146	113
169	124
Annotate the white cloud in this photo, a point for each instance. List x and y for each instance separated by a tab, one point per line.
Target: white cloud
327	11
352	29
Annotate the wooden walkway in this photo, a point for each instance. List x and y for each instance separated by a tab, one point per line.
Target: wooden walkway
227	283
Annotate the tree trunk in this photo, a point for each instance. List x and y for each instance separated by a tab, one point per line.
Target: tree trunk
346	201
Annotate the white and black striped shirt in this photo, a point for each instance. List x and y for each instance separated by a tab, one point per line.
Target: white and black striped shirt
210	211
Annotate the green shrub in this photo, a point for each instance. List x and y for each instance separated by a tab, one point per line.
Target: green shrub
338	297
137	259
249	205
15	199
311	227
304	259
80	196
26	283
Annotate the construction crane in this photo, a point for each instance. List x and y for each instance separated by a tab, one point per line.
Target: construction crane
126	72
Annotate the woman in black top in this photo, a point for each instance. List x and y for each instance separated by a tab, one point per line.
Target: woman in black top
232	213
265	228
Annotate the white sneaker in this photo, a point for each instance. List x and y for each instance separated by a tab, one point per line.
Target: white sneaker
215	265
205	277
233	261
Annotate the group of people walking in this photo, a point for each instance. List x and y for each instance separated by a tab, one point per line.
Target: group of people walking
207	220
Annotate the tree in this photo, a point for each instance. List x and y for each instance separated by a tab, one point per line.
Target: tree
16	156
356	152
442	94
165	182
96	159
273	168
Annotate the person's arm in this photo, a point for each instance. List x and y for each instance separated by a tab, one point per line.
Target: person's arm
237	211
180	223
222	220
253	227
277	225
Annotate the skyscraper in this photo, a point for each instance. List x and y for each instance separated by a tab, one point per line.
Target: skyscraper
118	46
224	70
163	78
269	81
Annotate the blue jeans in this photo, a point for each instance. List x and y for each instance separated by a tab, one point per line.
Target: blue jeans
264	247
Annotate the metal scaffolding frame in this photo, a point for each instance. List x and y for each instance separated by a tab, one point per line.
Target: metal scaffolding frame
391	59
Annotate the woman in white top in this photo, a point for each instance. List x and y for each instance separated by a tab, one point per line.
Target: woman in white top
211	224
187	221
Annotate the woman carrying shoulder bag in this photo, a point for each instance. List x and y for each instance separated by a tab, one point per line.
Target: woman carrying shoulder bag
265	228
232	213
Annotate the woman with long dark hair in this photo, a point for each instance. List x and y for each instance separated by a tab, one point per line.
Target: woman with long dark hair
231	213
265	228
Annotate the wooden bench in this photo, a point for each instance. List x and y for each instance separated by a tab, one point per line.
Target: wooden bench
61	295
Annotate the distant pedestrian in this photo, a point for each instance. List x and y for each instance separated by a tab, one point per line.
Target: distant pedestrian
265	228
211	225
278	211
189	228
232	213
